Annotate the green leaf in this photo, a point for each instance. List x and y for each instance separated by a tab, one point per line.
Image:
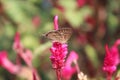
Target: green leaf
41	48
9	30
15	11
68	4
76	18
30	41
92	55
113	22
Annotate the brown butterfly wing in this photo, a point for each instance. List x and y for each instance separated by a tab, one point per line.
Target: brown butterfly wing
53	35
65	34
62	35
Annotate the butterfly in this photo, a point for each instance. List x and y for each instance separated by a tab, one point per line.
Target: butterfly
61	35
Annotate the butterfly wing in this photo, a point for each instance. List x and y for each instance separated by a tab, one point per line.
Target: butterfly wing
62	35
65	34
53	35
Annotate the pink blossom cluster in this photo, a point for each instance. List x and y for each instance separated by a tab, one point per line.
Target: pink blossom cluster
111	59
7	64
68	69
58	55
22	53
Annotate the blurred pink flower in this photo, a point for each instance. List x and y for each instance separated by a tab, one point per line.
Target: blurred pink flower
26	55
59	7
7	64
58	55
117	43
111	60
82	39
81	3
36	21
23	53
56	22
69	70
17	46
91	21
35	75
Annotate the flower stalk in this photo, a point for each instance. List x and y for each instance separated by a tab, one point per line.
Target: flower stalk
58	53
109	76
58	73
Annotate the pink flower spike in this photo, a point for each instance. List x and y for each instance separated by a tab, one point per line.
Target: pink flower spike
59	52
111	61
35	75
26	55
72	56
56	22
68	69
17	46
117	43
7	64
67	72
3	55
23	53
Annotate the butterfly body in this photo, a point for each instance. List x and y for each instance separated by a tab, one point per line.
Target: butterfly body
61	35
